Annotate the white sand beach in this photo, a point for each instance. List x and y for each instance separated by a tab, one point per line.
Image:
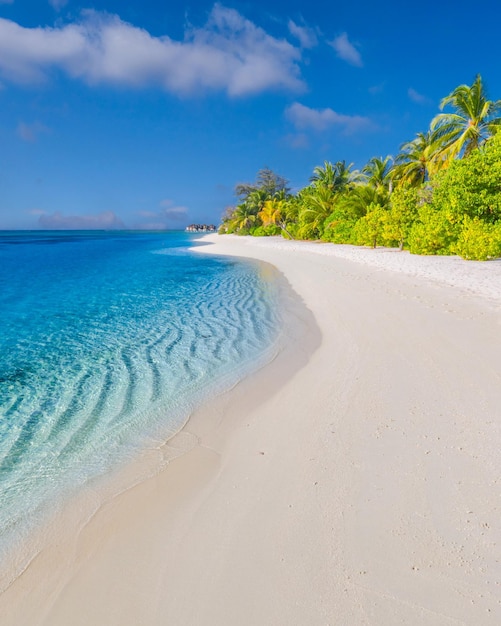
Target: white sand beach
355	480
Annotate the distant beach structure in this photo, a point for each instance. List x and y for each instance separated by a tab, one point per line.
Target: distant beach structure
204	228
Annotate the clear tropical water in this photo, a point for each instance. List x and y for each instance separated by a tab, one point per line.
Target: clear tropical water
107	339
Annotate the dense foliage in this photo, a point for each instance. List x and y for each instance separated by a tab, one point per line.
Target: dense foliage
440	195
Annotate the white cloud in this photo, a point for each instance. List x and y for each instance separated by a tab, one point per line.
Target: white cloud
58	4
305	118
376	89
229	53
151	226
306	36
176	213
6	1
171	211
167	216
103	221
30	132
346	50
298	141
417	97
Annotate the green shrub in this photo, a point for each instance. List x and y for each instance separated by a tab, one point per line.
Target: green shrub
402	215
265	231
259	231
293	230
471	186
307	232
478	240
338	228
433	232
272	230
369	230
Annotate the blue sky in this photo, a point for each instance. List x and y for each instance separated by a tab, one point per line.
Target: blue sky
144	114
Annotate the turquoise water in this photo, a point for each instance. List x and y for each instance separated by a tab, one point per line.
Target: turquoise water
107	341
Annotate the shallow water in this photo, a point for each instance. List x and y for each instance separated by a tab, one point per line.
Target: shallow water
109	341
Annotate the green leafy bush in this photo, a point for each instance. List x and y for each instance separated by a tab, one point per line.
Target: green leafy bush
472	186
265	231
307	231
478	240
402	214
369	230
338	228
433	232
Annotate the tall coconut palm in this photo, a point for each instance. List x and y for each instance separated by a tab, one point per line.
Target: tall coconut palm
316	204
274	212
417	160
378	172
244	216
356	203
472	122
335	177
257	198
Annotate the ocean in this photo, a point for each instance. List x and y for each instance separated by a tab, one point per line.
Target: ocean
108	341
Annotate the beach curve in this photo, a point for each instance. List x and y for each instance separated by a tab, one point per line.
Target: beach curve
361	489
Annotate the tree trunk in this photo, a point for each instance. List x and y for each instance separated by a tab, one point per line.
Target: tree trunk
286	231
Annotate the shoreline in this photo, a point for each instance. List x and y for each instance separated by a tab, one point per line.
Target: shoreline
481	278
73	517
352	480
165	446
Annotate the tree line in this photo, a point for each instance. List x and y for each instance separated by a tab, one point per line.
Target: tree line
440	195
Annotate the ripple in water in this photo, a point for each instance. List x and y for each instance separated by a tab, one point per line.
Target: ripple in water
105	343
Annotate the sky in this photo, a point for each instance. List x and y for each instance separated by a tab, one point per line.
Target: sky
146	114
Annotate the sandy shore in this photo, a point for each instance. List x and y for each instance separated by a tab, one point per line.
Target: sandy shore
354	480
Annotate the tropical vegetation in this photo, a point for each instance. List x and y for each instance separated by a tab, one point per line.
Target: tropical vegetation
440	195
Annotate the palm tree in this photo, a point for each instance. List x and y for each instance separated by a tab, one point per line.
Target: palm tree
244	216
335	177
316	204
378	173
323	176
274	212
255	200
473	121
417	160
356	203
